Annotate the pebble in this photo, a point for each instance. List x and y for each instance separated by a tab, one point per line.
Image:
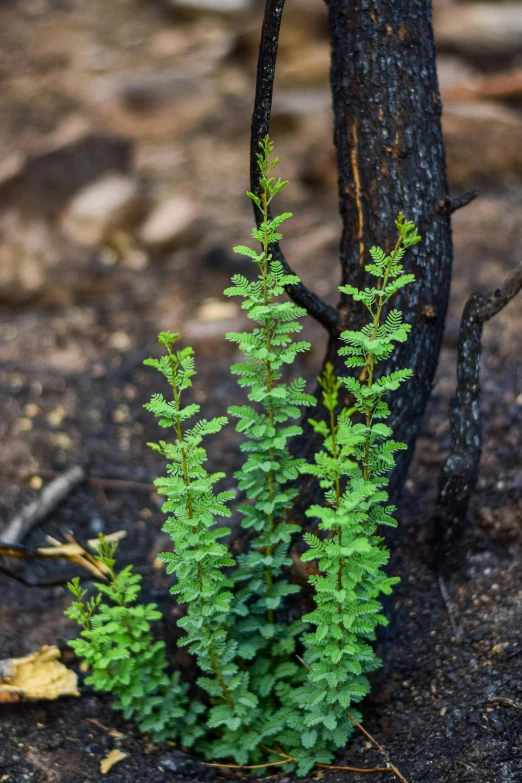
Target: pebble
111	202
222	7
169	223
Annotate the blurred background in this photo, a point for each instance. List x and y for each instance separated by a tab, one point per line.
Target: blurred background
124	130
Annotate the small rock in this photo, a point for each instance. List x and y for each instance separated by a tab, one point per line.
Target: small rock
111	202
135	259
154	105
169	223
222	7
67	162
28	254
121	341
176	761
216	310
480	27
96	525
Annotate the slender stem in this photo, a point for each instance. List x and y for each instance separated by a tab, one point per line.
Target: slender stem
190	509
335	454
370	360
367	734
270	384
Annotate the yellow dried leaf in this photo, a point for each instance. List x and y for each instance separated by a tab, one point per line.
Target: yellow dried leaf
36	676
112	758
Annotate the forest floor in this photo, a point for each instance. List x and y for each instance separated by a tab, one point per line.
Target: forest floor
447	707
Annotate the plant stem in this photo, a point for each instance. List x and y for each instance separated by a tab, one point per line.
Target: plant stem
335	454
370	361
270	384
186	478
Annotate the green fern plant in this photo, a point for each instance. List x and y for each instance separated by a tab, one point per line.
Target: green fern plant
117	645
268	424
262	705
351	556
198	558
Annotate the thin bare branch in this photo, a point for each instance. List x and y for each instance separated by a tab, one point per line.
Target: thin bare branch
367	734
452	614
323	313
459	473
361	770
253	766
448	206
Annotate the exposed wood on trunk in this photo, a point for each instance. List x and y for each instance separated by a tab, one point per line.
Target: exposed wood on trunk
460	471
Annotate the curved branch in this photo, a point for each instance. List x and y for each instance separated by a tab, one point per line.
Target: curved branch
323	313
447	205
459	473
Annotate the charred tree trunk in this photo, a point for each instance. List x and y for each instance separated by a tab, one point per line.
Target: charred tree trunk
390	158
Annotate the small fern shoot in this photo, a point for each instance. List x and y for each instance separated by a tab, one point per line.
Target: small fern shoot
351	557
268	424
198	558
117	645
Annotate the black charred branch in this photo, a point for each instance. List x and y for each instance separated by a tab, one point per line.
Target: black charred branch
447	205
459	473
300	294
20	552
29	581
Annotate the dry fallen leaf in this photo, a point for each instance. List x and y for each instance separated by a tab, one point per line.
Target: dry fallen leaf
112	758
36	676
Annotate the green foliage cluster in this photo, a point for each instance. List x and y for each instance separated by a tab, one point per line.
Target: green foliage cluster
117	644
278	690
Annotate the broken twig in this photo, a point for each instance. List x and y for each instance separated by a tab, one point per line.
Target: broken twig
71	551
459	473
100	482
384	752
50	497
391	767
447	206
456	626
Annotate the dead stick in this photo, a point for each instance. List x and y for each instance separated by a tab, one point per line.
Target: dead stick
50	497
367	734
75	554
361	770
99	482
457	627
459	473
254	766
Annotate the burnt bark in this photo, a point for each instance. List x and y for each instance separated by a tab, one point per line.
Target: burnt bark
459	473
390	158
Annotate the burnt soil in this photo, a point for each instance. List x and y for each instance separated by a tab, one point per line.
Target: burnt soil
446	706
446	709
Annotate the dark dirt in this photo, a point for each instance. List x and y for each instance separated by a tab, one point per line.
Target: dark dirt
72	386
446	710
